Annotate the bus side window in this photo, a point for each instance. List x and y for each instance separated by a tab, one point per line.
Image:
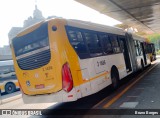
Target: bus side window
77	42
145	47
106	44
114	42
149	48
139	48
93	43
136	46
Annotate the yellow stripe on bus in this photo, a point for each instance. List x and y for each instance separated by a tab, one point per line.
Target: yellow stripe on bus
103	74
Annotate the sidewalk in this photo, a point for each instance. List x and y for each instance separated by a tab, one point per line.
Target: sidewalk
10	97
145	94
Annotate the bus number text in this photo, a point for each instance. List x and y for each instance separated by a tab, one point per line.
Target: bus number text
47	68
101	63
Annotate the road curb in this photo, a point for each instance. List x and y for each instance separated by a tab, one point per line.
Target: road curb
10	99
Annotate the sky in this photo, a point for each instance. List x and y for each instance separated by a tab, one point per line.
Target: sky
14	12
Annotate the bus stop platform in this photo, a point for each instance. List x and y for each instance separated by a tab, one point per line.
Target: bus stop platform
138	97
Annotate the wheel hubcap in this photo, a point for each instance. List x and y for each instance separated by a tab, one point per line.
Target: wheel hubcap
9	88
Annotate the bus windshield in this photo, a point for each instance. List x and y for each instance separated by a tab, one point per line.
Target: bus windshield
31	41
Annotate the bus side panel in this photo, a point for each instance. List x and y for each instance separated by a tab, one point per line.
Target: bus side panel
2	87
139	58
148	57
99	75
70	56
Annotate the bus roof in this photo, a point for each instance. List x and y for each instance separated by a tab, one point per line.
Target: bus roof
6	63
84	25
95	26
140	38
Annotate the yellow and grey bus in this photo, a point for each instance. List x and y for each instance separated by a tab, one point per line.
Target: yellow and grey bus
60	60
8	79
151	50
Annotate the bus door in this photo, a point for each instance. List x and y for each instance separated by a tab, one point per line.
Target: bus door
144	53
153	52
125	51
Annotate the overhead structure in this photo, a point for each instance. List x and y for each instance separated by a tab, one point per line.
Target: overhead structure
141	14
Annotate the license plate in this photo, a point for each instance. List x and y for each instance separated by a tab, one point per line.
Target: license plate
39	86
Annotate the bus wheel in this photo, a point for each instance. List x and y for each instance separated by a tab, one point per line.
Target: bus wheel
151	59
10	88
115	79
142	66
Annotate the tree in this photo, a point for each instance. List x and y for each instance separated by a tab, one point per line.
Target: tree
155	38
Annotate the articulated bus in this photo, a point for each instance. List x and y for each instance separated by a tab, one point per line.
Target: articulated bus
152	52
60	60
8	79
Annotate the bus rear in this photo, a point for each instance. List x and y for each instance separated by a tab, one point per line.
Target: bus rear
41	64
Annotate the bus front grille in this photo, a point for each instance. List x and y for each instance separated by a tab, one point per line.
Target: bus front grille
34	61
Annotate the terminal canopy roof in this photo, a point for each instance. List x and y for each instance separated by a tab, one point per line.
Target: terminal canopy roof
141	14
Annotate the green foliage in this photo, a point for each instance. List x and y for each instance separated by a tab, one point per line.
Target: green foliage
155	38
158	52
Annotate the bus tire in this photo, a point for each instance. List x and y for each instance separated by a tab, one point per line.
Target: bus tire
114	78
142	65
10	88
151	59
